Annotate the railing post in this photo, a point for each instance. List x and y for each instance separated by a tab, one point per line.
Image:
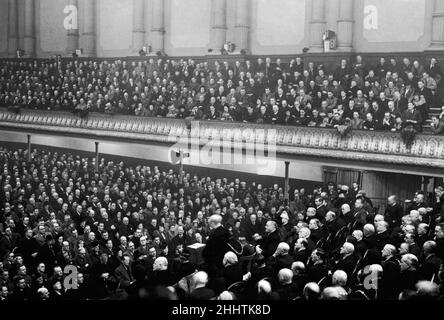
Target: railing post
29	147
181	166
97	156
286	182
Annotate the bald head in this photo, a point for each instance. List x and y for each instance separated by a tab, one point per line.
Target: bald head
160	264
215	221
312	291
297	267
388	251
339	278
226	295
283	248
264	286
285	276
427	289
200	279
330	293
368	230
270	226
230	258
358	235
429	247
347	248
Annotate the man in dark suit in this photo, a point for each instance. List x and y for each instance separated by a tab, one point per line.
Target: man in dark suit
361	216
389	287
429	268
250	227
300	252
333	222
124	273
347	262
217	243
287	289
8	242
382	234
200	291
281	258
412	117
409	274
393	212
439	239
269	243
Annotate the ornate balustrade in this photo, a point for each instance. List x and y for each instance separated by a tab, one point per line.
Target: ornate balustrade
368	146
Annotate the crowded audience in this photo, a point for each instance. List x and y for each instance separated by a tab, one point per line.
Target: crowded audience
390	95
74	229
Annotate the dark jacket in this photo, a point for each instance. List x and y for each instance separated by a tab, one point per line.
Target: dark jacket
430	267
216	246
124	275
232	274
281	262
393	214
202	294
347	264
269	243
389	288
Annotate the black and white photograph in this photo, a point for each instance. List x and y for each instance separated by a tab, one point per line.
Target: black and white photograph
232	157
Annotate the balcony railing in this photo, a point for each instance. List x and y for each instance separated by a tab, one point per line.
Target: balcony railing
369	146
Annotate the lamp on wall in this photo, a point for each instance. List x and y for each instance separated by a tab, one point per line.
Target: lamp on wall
329	38
228	48
20	53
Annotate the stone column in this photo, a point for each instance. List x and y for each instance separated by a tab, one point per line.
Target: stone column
138	25
438	25
158	28
73	34
287	182
218	25
97	155
12	28
29	147
345	25
242	25
317	25
29	38
89	28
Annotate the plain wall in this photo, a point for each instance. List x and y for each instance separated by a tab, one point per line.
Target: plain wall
276	26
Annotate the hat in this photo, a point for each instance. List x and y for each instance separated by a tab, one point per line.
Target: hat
95	243
49	237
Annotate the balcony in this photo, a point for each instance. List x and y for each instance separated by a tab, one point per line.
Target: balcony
385	149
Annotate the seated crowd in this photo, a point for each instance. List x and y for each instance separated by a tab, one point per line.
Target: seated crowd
122	232
390	95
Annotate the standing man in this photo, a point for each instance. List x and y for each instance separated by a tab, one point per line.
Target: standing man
268	245
217	244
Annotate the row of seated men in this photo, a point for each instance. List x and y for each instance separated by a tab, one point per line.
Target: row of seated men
124	232
358	94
